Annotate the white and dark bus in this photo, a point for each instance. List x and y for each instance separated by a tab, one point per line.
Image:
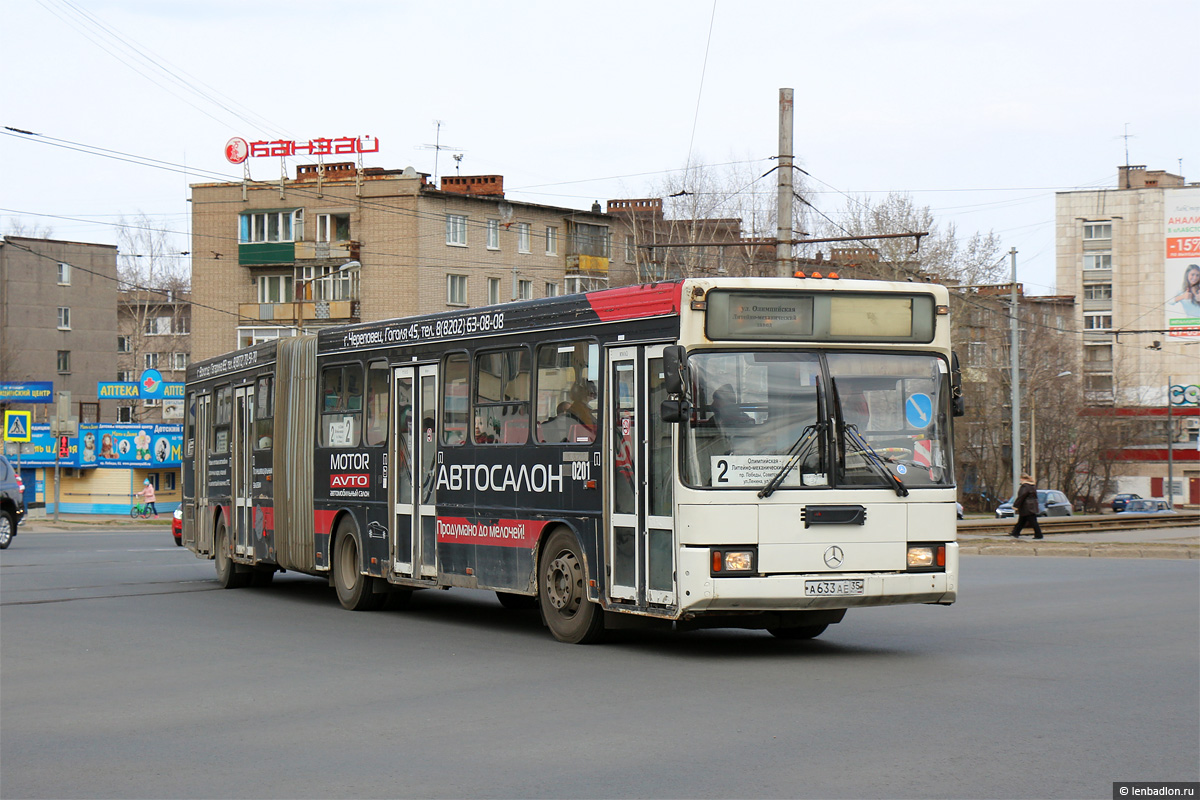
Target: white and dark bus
749	453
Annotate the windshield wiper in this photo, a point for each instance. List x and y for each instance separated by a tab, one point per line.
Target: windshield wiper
796	453
874	459
850	431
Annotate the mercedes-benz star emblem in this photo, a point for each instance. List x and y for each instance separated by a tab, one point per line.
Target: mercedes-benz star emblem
834	557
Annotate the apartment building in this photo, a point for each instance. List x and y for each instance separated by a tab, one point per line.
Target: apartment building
1127	252
154	330
340	243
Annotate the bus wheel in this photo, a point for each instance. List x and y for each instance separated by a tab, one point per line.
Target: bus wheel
353	588
517	602
227	572
803	632
562	593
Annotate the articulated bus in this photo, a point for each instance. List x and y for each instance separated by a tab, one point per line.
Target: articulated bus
727	452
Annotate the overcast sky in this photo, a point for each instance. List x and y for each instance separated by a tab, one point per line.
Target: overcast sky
980	110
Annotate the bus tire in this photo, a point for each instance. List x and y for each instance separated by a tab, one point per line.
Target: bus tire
353	588
802	632
562	592
517	602
228	575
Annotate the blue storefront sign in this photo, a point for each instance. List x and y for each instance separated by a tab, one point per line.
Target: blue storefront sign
100	445
27	392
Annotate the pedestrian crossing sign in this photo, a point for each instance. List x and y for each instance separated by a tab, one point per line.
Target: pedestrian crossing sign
18	426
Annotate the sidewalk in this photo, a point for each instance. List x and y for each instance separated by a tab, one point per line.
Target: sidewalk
38	521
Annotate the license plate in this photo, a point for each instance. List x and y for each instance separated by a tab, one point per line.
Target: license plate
828	588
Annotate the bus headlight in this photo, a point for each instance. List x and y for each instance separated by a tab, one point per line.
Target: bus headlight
740	561
926	556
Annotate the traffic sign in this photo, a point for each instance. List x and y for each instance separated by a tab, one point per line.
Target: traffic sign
18	426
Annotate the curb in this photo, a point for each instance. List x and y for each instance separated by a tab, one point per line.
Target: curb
1082	550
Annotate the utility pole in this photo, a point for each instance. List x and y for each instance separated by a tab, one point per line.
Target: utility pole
1016	378
1170	449
783	223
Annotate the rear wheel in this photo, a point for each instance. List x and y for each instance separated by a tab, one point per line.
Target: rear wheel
227	572
353	588
562	592
802	632
7	529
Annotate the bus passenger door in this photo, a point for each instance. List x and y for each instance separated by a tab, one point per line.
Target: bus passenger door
201	516
242	468
640	537
414	529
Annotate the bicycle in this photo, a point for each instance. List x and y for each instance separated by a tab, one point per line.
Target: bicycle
139	510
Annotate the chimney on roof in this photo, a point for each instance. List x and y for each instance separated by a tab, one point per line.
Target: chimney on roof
489	185
595	206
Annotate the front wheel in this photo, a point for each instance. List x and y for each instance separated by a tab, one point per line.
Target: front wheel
133	513
7	529
562	592
353	588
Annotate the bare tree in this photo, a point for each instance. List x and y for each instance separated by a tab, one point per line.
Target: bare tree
15	226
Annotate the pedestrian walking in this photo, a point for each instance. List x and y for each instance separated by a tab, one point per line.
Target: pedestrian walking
1025	506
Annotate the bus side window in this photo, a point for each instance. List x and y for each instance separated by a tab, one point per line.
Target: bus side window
566	392
502	397
454	399
264	414
224	416
189	436
377	403
341	403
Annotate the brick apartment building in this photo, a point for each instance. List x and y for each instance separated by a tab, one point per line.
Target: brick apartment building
339	244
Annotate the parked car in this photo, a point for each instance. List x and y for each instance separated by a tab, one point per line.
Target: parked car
1051	503
177	526
1118	502
958	510
1147	506
12	502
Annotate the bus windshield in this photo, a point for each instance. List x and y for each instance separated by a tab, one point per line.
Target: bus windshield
794	419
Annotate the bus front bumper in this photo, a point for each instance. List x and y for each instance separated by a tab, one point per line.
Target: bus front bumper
700	592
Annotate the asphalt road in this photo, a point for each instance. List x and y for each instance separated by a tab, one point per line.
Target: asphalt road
125	672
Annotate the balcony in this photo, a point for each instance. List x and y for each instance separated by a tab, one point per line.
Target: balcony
579	264
301	311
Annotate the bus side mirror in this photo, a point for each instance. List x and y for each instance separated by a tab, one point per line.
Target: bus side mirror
958	406
675	410
673	377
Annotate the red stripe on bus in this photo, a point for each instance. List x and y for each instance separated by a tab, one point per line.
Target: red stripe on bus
501	533
634	302
323	521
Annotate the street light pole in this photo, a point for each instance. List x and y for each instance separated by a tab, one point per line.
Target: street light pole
1016	378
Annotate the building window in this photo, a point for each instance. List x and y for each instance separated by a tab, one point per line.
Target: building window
630	250
271	226
251	336
64	318
151	402
125	376
493	291
64	362
493	234
551	290
275	289
551	240
125	414
1098	356
456	230
522	237
1097	230
456	290
1097	261
329	283
589	240
158	326
64	274
577	284
179	361
1097	322
1098	383
333	227
150	360
524	290
124	345
1097	291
